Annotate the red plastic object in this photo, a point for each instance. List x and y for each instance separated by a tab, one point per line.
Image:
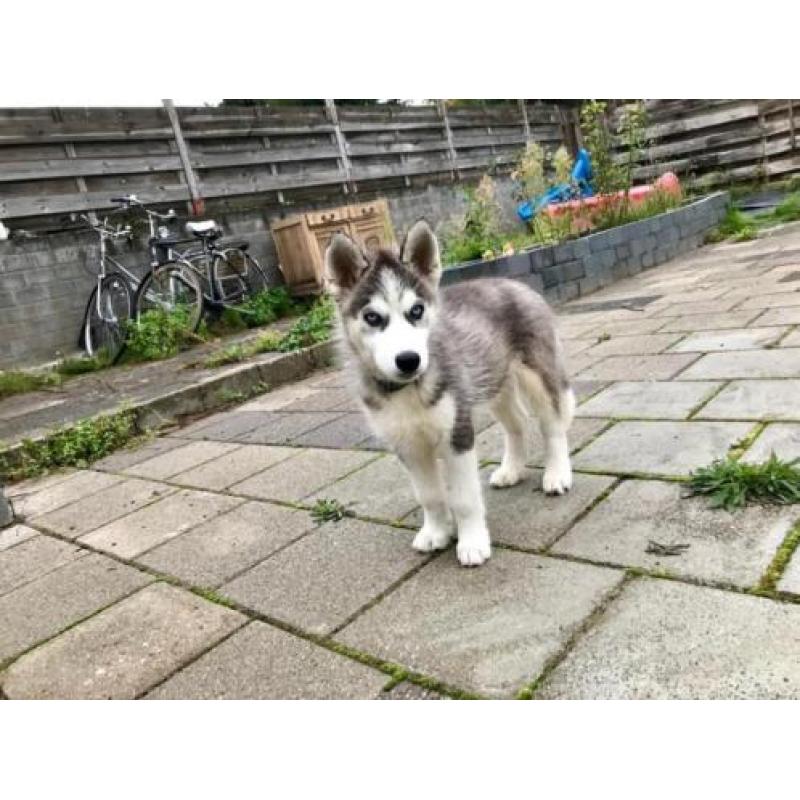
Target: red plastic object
583	210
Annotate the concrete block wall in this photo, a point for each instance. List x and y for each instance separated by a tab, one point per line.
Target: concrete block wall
579	267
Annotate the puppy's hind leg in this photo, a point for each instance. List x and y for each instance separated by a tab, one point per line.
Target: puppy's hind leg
510	413
555	416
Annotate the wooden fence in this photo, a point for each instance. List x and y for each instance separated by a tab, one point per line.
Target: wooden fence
58	161
722	142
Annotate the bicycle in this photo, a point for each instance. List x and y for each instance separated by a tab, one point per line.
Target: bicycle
227	275
172	283
111	301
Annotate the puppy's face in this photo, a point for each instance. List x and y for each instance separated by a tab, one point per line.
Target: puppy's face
387	303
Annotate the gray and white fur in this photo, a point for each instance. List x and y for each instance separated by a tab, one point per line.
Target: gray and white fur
424	358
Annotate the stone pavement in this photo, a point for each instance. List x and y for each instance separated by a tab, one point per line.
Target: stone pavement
193	568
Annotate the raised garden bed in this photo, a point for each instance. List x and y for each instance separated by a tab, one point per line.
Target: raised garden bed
581	266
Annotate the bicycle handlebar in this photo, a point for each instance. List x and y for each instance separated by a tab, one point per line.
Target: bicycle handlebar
132	200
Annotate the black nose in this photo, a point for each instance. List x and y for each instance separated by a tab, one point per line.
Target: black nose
407	362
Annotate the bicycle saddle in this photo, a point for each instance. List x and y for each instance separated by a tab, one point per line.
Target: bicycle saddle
205	228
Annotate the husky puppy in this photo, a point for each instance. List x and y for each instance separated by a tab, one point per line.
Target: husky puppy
424	358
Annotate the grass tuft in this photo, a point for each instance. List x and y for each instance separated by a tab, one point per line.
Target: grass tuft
732	484
18	382
326	510
75	446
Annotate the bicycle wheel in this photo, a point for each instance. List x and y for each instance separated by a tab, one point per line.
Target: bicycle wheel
172	286
238	275
105	324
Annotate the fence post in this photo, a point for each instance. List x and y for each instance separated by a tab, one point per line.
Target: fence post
525	124
791	124
198	204
448	135
344	158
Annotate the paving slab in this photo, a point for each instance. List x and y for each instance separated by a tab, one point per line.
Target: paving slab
40	609
583	389
783	439
158	522
792	340
701	307
233	467
91	512
410	691
33	558
381	489
318	582
179	459
631	328
283	427
123	651
14	534
489	444
660	448
225	426
34	502
728	547
648	399
639	368
489	630
779	316
280	398
780	300
667	640
689	323
127	457
349	430
524	516
302	475
777	363
731	339
790	581
226	545
755	399
643	344
321	400
260	662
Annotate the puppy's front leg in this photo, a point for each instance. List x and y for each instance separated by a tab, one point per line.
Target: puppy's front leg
426	478
466	503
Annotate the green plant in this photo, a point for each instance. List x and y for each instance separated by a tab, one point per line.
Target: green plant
734	225
788	210
478	233
80	366
562	165
19	381
632	132
733	484
75	446
313	327
529	172
159	334
229	355
325	510
608	175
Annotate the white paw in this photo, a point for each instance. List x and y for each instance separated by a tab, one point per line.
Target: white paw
557	480
429	537
473	550
505	476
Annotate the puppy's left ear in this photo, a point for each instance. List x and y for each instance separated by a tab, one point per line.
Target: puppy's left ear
421	251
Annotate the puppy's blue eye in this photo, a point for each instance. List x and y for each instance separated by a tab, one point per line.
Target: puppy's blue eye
372	319
416	311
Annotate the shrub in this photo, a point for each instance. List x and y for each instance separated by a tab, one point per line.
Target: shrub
159	334
76	446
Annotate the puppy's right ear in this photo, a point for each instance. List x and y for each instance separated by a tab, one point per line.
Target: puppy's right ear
344	263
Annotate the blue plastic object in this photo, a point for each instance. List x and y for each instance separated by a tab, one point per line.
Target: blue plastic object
579	186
